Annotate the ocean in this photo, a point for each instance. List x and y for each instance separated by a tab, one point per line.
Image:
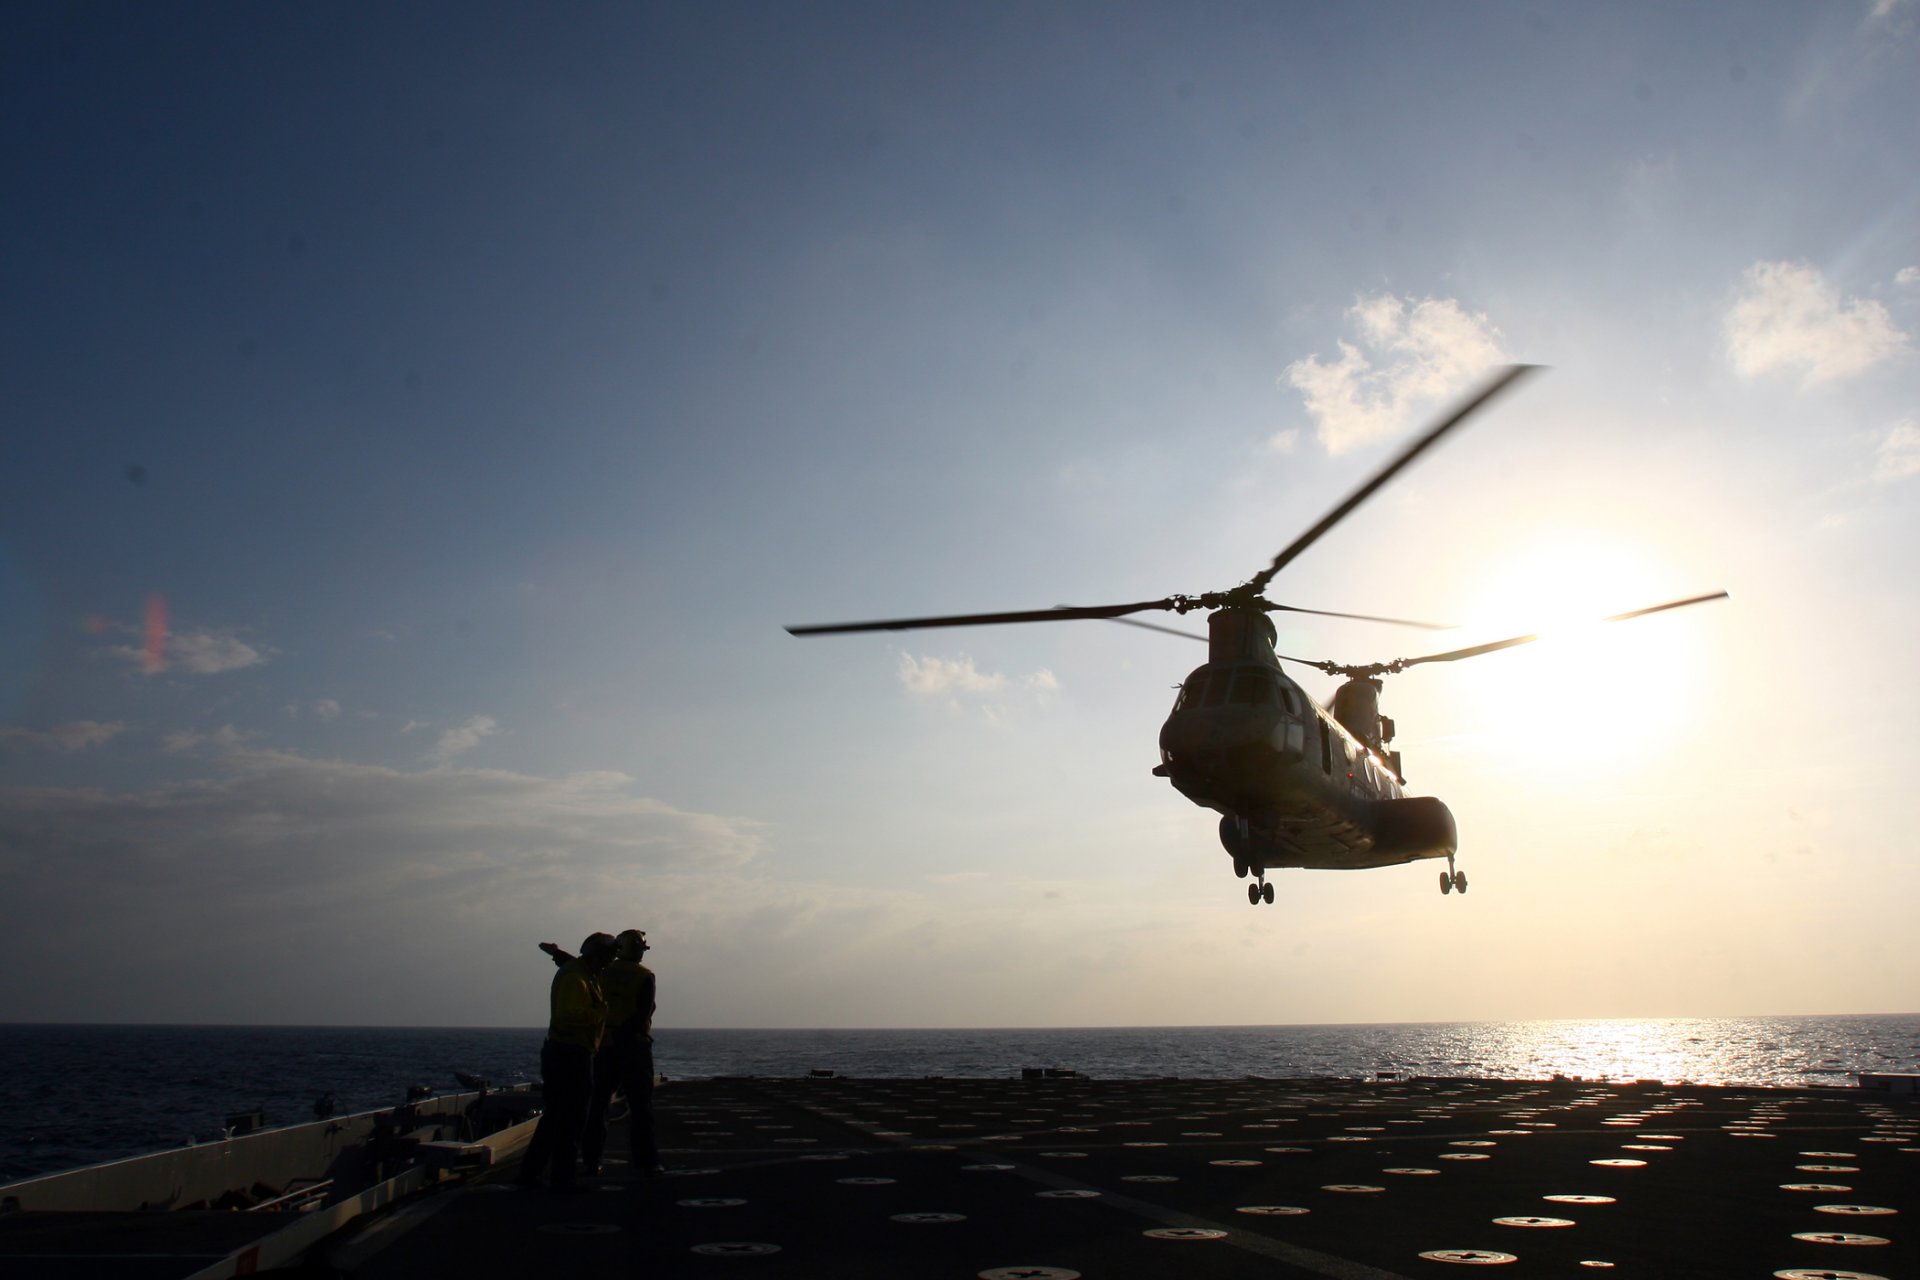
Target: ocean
84	1094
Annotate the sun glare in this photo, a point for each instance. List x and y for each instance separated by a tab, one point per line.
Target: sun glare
1585	693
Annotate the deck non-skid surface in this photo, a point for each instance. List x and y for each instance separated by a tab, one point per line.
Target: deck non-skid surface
1031	1179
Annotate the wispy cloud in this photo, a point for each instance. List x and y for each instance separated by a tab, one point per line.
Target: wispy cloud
1410	353
75	735
200	652
463	738
326	709
225	737
1898	457
1787	316
932	675
1906	276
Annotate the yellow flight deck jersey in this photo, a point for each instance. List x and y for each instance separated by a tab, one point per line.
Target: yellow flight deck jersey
579	1008
629	988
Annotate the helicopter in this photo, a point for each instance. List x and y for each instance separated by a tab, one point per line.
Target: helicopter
1297	784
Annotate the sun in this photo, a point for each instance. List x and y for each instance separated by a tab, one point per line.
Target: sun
1585	694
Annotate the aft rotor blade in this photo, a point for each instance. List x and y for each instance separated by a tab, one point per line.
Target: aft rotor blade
1497	645
984	619
1154	626
1498	383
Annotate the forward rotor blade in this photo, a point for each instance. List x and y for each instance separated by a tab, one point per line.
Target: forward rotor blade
1154	626
1499	382
1365	617
983	619
1495	646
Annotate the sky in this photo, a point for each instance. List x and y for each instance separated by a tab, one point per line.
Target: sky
421	422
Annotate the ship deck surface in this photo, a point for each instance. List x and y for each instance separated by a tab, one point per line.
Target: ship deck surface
1029	1179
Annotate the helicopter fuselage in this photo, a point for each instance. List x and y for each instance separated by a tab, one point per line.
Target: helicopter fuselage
1295	787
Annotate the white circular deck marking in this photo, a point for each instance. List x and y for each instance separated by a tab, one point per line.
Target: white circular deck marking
1839	1237
1643	1146
1828	1155
1143	1144
864	1182
1288	1151
929	1217
1029	1273
1148	1177
1597	1264
735	1249
1580	1199
985	1168
1827	1168
1411	1171
1064	1155
1465	1155
1470	1257
1472	1142
1829	1187
1067	1194
1235	1164
1185	1233
1273	1210
1530	1221
1856	1210
1348	1137
578	1228
1823	1273
1352	1188
710	1202
1620	1163
1201	1133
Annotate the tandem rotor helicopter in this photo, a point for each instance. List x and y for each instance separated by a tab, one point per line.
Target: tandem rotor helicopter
1297	784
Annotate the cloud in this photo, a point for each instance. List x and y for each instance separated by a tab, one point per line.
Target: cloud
299	884
1898	457
412	725
75	735
1785	315
1416	352
225	737
326	708
199	652
942	675
463	738
1907	276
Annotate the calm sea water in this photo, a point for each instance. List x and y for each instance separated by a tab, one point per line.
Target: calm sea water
82	1094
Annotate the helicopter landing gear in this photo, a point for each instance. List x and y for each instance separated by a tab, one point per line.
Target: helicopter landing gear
1260	891
1452	880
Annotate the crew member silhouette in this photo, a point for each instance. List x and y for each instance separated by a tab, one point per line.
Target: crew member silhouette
578	1018
625	1060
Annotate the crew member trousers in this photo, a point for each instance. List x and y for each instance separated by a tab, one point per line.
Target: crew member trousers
566	1080
629	1069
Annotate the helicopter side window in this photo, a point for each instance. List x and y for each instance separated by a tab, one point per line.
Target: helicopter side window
1217	687
1194	691
1326	747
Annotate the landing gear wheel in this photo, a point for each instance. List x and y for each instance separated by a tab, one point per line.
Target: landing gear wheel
1460	881
1446	882
1253	894
1240	867
1266	894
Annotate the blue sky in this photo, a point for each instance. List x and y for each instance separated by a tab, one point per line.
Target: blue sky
477	391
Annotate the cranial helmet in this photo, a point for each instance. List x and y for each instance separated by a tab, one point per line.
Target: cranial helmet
597	945
632	942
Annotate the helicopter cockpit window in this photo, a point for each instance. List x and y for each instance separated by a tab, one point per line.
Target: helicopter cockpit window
1255	688
1194	691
